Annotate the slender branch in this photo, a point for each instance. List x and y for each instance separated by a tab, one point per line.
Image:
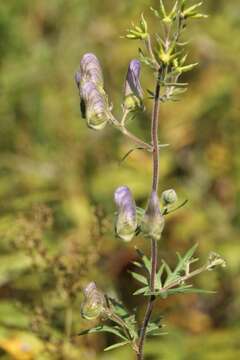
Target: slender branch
154	249
134	138
120	126
185	278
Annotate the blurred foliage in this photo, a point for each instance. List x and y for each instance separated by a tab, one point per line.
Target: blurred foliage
57	179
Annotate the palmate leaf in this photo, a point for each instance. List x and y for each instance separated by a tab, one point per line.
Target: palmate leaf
181	266
114	346
105	328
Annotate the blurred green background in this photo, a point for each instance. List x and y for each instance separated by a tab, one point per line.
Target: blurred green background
57	179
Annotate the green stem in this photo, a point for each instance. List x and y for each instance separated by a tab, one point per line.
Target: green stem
120	126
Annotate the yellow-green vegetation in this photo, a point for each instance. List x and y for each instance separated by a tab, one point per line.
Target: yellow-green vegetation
57	179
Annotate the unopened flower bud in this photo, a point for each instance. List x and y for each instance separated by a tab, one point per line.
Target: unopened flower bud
153	221
94	302
133	94
91	69
126	222
214	260
169	197
96	106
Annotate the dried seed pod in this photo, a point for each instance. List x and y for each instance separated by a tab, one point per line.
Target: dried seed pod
133	94
126	222
153	221
94	302
169	197
215	260
91	69
96	107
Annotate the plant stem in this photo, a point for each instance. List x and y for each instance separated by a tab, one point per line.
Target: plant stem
120	126
154	249
154	135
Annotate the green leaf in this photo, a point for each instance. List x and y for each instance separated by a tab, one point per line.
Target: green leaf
119	309
183	262
162	8
104	328
146	262
156	13
137	264
141	291
139	278
111	347
159	276
179	290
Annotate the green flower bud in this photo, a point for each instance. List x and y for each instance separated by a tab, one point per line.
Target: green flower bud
169	197
94	302
153	221
126	221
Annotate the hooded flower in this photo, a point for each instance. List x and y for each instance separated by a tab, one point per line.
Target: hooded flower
91	69
95	105
133	94
94	302
126	222
153	221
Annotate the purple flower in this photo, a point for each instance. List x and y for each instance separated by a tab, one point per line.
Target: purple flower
126	222
153	221
133	92
91	69
96	106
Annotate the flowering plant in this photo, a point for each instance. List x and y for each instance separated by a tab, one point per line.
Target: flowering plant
165	55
